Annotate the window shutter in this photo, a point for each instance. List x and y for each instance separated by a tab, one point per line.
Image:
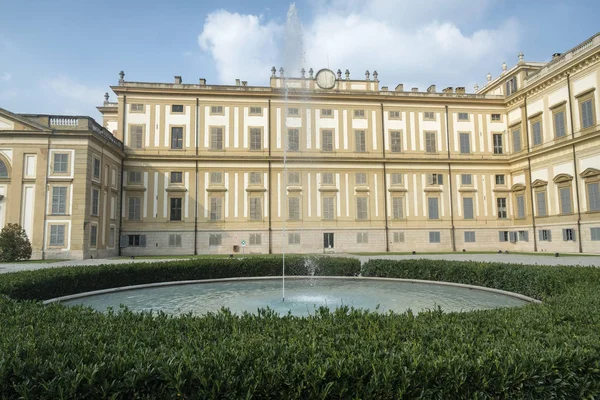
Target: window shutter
123	241
501	236
513	237
564	231
574	235
440	179
526	236
430	179
549	235
142	240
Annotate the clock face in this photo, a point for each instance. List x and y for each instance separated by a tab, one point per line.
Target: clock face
325	79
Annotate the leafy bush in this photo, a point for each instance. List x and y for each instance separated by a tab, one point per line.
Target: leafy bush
545	351
14	244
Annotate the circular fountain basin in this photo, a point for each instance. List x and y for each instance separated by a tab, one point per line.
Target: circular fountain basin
303	296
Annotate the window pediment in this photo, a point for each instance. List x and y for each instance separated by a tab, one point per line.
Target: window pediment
397	189
590	172
539	183
561	178
467	190
256	189
517	187
433	190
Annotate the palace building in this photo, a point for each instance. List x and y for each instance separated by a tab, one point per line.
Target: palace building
316	163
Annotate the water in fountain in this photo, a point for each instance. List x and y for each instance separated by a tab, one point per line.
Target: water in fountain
293	60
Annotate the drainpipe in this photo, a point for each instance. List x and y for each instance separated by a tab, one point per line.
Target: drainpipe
196	199
44	231
452	228
122	174
575	166
269	181
530	178
385	189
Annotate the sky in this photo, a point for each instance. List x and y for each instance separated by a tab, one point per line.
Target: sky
61	56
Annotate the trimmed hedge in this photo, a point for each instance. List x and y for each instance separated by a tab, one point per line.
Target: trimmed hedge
546	351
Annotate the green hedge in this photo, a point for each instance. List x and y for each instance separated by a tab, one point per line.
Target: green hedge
545	351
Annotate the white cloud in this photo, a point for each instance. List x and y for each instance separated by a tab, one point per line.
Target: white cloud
63	95
416	43
5	77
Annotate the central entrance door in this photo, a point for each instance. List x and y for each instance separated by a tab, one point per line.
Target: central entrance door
328	240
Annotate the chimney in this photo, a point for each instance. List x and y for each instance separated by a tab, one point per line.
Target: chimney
431	89
449	89
414	90
237	82
460	90
202	81
177	80
400	87
244	83
384	88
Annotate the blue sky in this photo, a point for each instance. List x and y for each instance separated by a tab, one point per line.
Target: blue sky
61	56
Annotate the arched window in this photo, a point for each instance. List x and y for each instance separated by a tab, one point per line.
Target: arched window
3	170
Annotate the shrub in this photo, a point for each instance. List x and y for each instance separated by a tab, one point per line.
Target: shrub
14	244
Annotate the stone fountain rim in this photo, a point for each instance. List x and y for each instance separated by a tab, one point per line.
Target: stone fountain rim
257	278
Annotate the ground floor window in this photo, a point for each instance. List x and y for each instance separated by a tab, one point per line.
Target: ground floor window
328	240
434	237
214	239
470	237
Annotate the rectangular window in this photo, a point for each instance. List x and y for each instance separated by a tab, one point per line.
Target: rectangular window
293	178
111	237
545	235
435	179
134	209
593	191
95	202
214	239
113	207
496	118
540	198
500	180
293	112
398	237
93	235
60	164
512	236
216	178
595	234
396	179
361	208
176	177
255	178
255	111
294	238
511	86
137	108
293	140
559	124
516	135
215	208
362	237
568	235
57	235
255	239
520	206
394	114
565	200
465	143
359	113
469	236
429	116
466	179
255	139
177	137
59	200
398	207
587	114
174	240
176	205
256	208
430	142
328	208
395	142
327	140
113	177
523	236
216	138
432	203
294	208
360	178
326	112
327	178
360	142
463	116
498	149
177	108
135	136
468	207
134	177
503	236
536	131
501	203
435	237
216	110
136	240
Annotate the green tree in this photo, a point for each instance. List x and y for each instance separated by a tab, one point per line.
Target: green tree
14	244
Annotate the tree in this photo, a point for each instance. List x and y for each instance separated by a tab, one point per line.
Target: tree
14	244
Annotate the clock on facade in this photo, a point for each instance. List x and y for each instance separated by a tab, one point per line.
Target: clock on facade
325	78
